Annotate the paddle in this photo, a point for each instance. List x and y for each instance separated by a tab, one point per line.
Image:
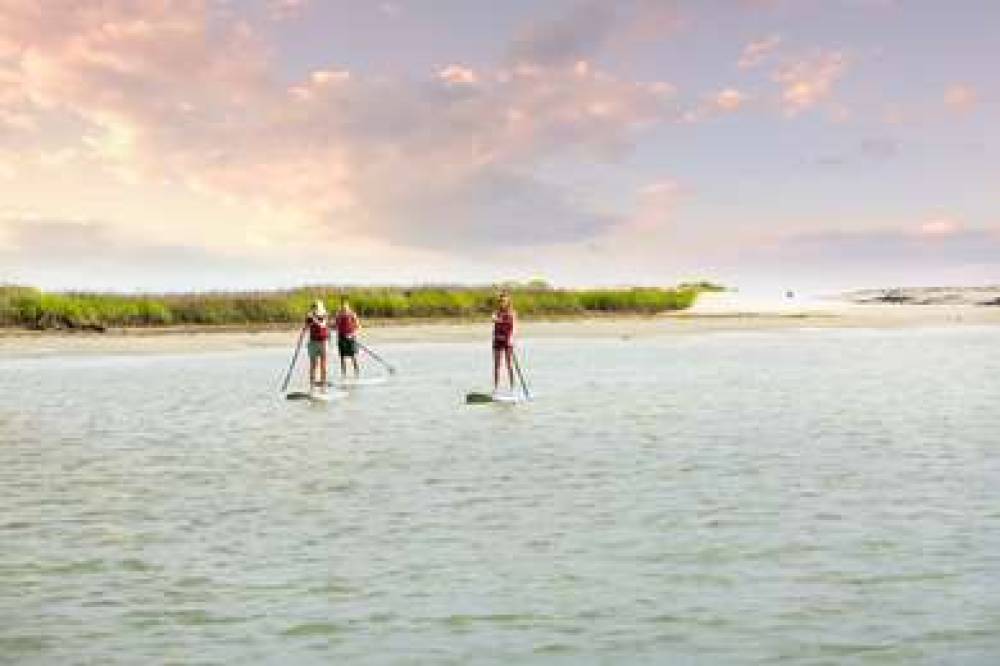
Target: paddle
295	358
378	358
520	375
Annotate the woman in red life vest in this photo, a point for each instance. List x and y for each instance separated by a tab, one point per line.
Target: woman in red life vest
319	335
347	342
504	321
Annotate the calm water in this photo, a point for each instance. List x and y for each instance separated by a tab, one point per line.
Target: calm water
803	496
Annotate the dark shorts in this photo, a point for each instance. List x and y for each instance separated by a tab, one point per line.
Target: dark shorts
317	348
501	345
347	346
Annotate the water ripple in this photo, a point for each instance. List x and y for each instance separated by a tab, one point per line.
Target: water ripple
820	498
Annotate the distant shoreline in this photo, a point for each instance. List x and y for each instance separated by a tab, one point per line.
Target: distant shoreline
984	296
28	312
254	328
187	340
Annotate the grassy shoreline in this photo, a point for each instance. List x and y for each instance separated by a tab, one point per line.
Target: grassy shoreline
26	308
369	325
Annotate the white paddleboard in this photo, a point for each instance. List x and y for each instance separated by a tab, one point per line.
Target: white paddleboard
477	398
316	397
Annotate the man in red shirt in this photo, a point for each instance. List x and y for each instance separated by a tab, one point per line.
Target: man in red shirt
347	343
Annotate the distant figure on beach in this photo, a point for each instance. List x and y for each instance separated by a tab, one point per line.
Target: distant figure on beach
319	336
347	341
504	321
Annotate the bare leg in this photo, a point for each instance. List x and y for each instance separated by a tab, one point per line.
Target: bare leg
496	369
323	363
354	362
508	352
343	367
313	363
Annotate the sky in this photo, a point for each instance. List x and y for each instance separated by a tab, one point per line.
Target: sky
818	145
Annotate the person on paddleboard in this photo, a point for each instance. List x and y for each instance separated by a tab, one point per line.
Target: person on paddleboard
319	336
504	321
347	337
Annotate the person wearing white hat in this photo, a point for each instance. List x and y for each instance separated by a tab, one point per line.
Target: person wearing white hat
319	338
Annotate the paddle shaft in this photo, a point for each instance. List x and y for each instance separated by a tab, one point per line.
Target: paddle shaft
378	358
295	358
520	375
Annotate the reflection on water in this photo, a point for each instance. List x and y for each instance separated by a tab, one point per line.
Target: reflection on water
803	496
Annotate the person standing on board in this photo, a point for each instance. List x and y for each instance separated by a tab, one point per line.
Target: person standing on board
319	336
347	341
504	321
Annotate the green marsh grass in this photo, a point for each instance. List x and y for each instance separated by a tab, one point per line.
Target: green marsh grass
27	307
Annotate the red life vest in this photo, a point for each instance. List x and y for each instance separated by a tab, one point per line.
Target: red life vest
347	324
319	330
503	328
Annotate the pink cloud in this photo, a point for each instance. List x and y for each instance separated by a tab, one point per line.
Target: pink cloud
649	20
808	82
458	75
939	227
591	26
729	100
656	205
390	9
892	254
725	101
283	9
840	114
757	51
961	97
894	114
163	92
566	38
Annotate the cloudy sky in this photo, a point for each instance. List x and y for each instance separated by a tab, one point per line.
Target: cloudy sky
193	144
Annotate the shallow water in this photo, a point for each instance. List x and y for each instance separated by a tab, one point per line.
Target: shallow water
800	496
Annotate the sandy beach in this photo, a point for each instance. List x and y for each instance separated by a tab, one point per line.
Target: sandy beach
713	313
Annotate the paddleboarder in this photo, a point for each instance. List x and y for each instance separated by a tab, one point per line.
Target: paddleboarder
504	321
347	337
319	336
